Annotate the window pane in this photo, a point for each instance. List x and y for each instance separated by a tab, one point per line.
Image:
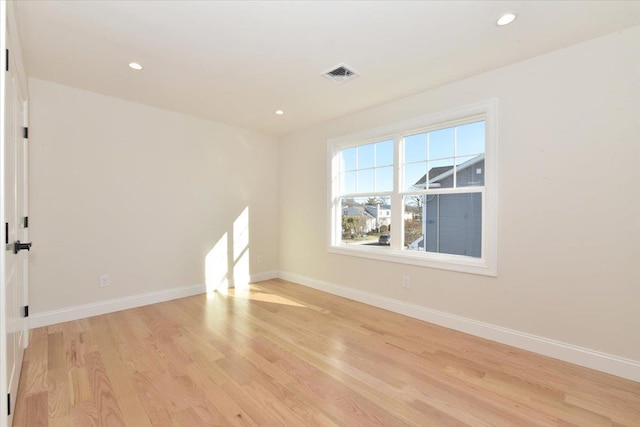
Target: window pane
366	221
365	181
452	224
384	153
348	159
413	228
441	173
349	183
470	171
415	175
441	143
415	148
365	156
470	139
384	179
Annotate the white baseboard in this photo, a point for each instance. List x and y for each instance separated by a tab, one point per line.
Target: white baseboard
265	275
95	309
615	365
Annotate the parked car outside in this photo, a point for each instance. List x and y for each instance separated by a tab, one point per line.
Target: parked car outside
384	239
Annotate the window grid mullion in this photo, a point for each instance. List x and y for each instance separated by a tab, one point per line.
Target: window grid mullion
426	178
396	198
459	190
455	157
357	167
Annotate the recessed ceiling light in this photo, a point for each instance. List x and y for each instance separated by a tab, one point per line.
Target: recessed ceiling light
506	19
135	66
279	112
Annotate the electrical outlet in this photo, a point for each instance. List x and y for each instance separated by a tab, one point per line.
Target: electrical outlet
104	281
406	282
260	259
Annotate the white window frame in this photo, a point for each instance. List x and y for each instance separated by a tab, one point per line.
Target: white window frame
487	263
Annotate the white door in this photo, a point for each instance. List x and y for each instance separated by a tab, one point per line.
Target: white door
22	208
13	292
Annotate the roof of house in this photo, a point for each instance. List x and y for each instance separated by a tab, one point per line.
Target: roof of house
373	209
356	211
441	172
433	172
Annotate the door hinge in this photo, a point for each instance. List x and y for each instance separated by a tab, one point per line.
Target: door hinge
25	132
8	404
6	59
26	222
6	233
25	311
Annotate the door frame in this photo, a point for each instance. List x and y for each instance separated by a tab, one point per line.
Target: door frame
9	39
3	315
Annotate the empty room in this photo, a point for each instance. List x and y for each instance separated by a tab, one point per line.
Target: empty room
320	213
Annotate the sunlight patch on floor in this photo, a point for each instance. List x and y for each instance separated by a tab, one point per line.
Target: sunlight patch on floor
263	297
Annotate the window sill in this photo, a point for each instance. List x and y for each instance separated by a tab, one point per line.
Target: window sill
432	260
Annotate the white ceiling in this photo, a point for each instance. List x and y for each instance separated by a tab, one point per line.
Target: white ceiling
237	62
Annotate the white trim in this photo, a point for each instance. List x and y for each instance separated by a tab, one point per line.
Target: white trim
460	263
95	309
103	307
265	275
611	364
4	419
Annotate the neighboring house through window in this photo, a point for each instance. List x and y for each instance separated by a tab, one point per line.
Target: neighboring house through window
420	192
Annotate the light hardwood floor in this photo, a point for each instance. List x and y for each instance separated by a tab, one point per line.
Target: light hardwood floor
285	355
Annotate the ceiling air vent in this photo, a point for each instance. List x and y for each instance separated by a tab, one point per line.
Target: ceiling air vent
340	74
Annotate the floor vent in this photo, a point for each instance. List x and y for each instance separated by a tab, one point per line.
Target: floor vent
340	74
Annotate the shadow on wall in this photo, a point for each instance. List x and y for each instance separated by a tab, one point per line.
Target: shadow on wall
223	271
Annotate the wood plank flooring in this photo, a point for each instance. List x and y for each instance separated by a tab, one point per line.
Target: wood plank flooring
285	355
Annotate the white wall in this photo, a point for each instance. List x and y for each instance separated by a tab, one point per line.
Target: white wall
140	194
569	204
